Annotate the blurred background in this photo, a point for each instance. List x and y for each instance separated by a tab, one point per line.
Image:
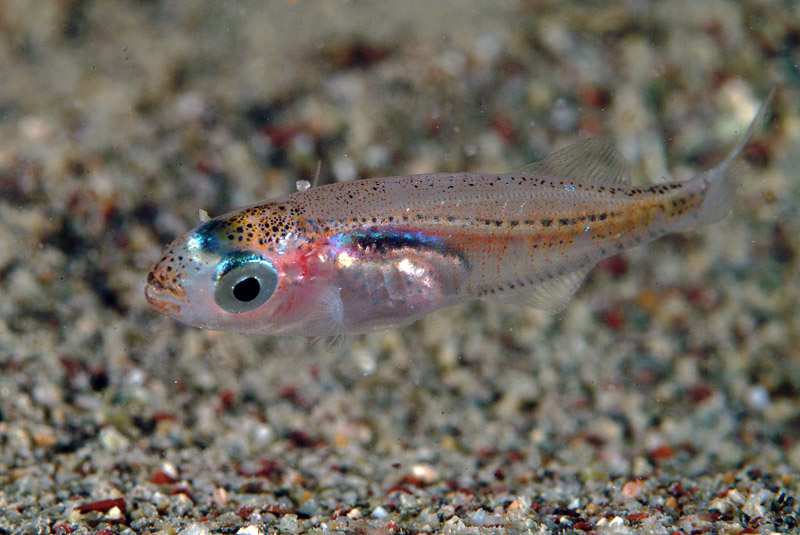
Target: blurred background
664	399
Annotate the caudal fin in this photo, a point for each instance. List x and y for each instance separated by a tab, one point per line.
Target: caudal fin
719	182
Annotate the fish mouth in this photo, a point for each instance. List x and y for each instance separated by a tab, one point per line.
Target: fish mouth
160	297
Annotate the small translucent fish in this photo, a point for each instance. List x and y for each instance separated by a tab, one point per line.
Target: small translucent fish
380	253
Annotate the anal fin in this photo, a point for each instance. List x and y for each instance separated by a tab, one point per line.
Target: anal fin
551	295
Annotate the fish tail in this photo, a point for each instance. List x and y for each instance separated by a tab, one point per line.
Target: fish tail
719	183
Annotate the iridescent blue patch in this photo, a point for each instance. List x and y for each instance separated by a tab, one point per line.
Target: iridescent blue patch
206	237
235	259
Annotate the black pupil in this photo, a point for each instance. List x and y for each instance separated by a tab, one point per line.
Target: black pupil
246	289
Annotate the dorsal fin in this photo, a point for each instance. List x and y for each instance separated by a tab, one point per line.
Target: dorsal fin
591	160
551	295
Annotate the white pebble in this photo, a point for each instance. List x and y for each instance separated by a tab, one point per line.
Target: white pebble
564	116
478	517
376	156
303	144
288	524
195	529
425	473
758	397
453	62
35	128
111	439
380	513
344	170
170	469
191	106
487	48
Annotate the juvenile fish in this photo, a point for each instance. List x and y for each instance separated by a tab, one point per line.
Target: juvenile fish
380	253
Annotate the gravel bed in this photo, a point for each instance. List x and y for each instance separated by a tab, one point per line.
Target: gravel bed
665	399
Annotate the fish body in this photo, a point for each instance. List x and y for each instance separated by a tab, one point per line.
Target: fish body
380	253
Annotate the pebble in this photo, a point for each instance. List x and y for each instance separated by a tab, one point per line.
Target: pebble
195	529
425	473
344	170
379	512
289	524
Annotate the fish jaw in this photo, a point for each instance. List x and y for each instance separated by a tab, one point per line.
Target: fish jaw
164	290
181	283
161	298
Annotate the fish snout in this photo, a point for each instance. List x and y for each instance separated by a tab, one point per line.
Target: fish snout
161	297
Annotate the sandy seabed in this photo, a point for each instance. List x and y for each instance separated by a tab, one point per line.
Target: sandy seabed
665	399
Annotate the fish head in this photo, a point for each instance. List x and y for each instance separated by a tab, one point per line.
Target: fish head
239	272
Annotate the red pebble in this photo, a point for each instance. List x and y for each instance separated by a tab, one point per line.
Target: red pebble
414	480
340	512
613	319
758	153
661	453
594	440
700	393
269	468
301	439
504	128
103	506
279	510
617	266
186	491
591	125
162	478
163	416
594	97
292	393
484	454
631	489
227	397
398	488
515	456
281	137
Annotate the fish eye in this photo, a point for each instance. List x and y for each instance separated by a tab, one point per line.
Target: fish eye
245	283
